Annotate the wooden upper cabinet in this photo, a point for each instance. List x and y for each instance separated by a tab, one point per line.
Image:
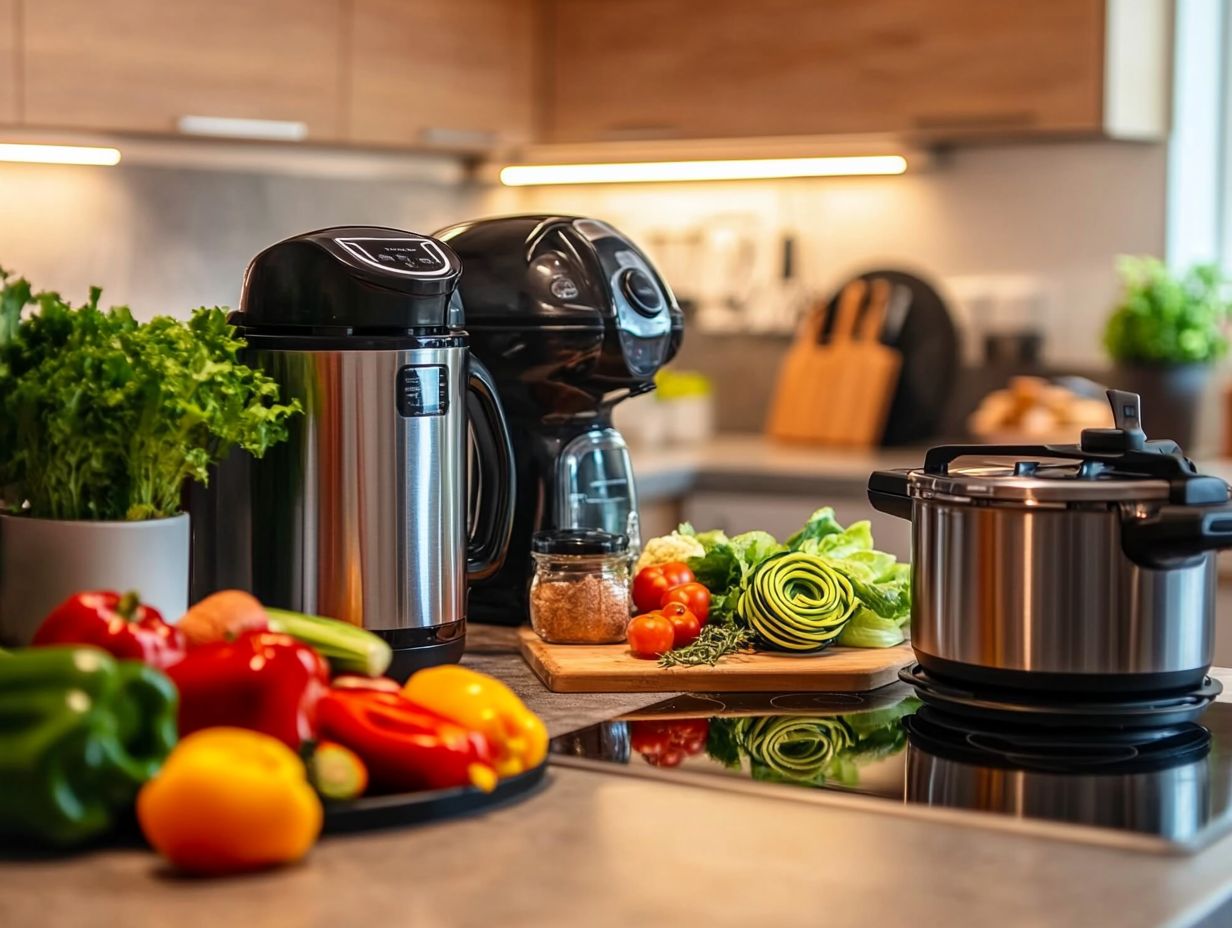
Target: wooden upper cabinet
142	65
444	73
730	68
8	61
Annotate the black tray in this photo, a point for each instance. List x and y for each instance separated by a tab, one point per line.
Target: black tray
426	805
1138	712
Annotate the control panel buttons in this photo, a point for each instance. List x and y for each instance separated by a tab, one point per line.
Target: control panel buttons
563	288
641	291
415	257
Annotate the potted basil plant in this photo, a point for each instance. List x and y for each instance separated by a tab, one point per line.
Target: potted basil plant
102	420
1165	335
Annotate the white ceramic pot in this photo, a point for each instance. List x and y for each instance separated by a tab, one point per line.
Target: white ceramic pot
44	561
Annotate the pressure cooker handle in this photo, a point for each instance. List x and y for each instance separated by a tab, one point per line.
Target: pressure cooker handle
493	523
1175	533
887	491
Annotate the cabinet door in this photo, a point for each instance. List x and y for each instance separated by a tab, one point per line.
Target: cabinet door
717	68
453	73
141	65
8	61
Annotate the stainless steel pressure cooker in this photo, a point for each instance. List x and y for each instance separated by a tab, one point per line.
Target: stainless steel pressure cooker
1075	568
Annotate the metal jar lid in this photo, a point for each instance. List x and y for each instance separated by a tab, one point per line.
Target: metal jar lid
578	542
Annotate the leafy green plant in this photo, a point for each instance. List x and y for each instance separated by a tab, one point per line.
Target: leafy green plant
1164	319
103	417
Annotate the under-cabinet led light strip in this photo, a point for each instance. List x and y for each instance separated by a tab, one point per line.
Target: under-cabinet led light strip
526	175
58	154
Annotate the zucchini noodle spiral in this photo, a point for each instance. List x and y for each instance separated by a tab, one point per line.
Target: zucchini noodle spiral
797	602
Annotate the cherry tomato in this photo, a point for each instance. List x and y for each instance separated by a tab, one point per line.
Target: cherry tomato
677	573
685	625
694	596
648	738
652	582
650	635
669	758
690	734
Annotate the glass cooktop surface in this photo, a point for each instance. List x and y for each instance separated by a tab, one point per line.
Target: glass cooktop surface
1165	789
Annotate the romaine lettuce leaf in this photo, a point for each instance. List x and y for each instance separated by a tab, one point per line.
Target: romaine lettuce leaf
754	547
820	524
866	629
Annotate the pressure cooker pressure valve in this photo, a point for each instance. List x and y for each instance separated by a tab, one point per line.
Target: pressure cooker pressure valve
1127	435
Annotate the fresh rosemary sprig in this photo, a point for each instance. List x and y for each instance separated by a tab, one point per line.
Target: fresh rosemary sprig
714	642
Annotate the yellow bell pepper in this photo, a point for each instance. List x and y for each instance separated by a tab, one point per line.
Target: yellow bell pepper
228	800
518	737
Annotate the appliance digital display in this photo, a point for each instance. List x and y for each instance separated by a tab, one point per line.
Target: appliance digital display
423	390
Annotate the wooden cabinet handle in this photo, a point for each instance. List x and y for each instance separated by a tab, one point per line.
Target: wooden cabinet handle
458	138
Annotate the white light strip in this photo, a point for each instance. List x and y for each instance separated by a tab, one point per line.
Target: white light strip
525	175
274	130
59	154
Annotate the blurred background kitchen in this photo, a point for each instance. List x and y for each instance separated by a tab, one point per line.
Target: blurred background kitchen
983	164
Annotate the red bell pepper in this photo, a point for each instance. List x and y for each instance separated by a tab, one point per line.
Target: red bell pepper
263	681
120	625
405	746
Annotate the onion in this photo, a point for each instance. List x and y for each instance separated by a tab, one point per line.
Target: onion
223	616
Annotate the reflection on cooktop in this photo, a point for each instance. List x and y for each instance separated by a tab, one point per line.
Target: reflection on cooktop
1167	788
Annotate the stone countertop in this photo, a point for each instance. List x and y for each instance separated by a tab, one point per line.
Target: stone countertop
603	850
494	650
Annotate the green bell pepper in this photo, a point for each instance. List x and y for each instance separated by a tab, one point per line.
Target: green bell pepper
80	732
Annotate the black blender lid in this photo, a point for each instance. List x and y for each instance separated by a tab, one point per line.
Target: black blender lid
365	278
579	541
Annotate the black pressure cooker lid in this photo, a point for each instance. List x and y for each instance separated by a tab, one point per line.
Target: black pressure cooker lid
357	278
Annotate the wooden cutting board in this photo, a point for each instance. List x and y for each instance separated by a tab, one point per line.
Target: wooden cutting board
610	668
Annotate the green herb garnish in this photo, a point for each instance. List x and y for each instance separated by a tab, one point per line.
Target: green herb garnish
103	417
716	640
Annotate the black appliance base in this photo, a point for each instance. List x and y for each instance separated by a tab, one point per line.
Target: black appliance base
1056	750
1105	686
1061	710
417	648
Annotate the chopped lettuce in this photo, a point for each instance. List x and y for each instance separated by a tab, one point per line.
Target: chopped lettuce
820	524
866	629
752	548
882	585
726	562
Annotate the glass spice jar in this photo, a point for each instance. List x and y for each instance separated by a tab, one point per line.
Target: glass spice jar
580	590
